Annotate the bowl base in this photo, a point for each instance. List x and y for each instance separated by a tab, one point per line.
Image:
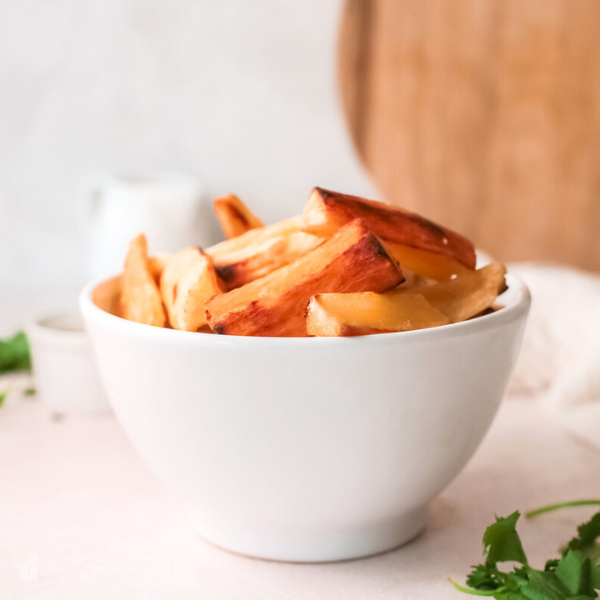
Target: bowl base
314	546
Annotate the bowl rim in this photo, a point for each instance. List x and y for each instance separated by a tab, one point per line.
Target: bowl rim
517	301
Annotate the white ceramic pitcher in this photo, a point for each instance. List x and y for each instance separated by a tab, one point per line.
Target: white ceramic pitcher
170	208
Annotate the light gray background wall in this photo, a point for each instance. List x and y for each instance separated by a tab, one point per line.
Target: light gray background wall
241	93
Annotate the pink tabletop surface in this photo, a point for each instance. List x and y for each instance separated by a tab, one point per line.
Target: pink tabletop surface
79	504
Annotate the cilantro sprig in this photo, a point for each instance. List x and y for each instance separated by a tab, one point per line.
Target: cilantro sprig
15	354
573	576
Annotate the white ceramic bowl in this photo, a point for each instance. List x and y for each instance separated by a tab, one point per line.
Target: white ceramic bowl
307	449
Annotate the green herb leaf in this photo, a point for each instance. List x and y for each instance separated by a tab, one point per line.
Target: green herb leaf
596	576
574	571
15	354
501	541
575	576
543	585
484	577
3	396
588	533
551	564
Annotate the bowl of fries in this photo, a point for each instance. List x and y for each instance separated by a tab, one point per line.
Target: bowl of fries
309	387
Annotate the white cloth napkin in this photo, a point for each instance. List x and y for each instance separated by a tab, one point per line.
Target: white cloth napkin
561	349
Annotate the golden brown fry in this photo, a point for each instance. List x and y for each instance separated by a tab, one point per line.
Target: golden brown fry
187	282
254	236
157	264
258	252
353	260
425	263
235	217
140	298
468	294
107	295
259	260
333	315
326	211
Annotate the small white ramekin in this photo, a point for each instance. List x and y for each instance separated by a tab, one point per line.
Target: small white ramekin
64	365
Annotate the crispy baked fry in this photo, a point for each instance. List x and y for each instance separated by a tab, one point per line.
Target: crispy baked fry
187	282
425	263
333	315
259	259
327	211
157	264
260	251
107	295
343	254
467	295
352	260
255	236
140	298
235	217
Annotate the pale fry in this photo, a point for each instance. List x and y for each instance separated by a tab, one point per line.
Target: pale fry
468	294
224	250
333	315
107	295
235	217
157	264
187	282
140	298
426	263
353	260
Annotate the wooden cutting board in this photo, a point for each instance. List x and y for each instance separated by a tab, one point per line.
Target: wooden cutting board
483	115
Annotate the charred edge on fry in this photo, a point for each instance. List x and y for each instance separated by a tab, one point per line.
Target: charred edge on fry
377	247
434	228
306	310
219	328
330	199
226	273
240	216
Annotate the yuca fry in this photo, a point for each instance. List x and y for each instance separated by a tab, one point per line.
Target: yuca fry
107	295
224	250
187	282
327	211
140	299
425	263
157	264
332	315
455	300
467	295
259	260
235	217
260	251
352	260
